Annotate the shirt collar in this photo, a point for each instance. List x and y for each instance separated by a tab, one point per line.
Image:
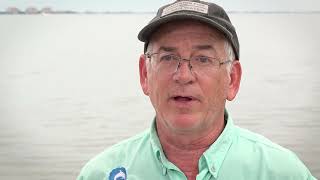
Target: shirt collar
158	151
211	159
155	142
215	155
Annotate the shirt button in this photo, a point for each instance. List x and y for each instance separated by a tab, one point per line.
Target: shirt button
164	170
213	169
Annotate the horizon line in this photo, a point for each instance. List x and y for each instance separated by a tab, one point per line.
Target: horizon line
153	12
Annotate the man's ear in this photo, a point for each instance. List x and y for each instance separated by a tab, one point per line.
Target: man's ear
143	74
235	78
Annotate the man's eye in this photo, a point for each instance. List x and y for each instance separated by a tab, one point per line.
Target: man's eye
168	57
202	59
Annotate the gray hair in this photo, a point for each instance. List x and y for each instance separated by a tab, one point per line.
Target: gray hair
229	53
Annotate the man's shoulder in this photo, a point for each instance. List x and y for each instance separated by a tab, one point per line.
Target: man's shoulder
273	159
131	142
115	156
256	139
262	146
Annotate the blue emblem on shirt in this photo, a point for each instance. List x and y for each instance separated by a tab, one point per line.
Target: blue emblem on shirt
119	173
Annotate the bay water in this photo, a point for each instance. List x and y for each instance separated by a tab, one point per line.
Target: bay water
69	87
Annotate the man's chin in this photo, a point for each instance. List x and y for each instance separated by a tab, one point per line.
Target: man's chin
184	122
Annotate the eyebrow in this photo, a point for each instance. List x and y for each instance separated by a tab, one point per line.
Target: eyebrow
167	48
203	47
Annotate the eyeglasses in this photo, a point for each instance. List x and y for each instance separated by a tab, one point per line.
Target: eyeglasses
170	63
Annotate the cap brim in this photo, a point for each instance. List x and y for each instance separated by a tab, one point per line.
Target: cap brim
146	32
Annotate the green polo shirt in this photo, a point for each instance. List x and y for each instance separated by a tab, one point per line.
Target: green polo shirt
236	154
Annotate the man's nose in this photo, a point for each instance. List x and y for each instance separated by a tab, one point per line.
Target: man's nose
183	73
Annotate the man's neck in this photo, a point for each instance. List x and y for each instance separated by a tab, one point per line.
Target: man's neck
185	150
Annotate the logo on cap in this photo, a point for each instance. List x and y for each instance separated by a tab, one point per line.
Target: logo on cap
119	173
185	6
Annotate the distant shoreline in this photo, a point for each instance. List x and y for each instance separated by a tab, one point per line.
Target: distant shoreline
130	12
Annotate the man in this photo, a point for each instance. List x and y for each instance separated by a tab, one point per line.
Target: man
189	69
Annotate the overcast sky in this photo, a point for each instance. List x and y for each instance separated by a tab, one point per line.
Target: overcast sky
152	5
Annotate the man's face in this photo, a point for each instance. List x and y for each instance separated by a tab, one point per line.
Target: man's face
184	100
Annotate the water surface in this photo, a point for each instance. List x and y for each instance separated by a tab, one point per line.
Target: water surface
69	87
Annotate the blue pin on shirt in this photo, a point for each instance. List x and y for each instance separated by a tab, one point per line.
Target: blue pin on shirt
119	173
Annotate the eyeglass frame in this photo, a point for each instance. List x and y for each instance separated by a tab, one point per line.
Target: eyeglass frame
149	56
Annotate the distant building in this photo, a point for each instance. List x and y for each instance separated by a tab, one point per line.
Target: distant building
13	10
32	10
47	10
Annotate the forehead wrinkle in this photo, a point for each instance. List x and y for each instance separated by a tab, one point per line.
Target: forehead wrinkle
214	36
198	46
204	47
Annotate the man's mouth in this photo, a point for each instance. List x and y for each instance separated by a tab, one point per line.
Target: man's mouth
183	98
